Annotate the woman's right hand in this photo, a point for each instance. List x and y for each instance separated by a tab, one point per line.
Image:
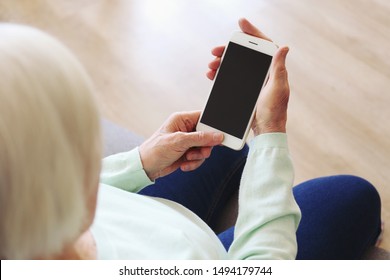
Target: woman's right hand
177	145
271	110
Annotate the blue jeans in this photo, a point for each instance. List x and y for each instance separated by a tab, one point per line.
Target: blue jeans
340	214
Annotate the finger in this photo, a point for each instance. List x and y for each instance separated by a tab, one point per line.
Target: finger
198	153
278	67
214	65
211	74
199	139
250	29
191	115
182	121
218	51
191	165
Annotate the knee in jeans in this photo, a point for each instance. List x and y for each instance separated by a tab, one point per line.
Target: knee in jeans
363	190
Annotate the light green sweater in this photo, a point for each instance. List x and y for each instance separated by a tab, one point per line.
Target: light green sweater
131	226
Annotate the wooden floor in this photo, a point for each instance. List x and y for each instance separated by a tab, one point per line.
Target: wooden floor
149	58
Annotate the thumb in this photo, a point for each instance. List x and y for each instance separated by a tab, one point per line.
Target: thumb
201	139
278	69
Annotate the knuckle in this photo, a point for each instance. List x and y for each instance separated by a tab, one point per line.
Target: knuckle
174	116
179	138
201	136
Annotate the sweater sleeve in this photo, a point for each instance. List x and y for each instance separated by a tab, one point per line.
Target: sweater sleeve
268	215
124	171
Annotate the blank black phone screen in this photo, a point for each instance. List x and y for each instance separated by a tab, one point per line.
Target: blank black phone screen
236	89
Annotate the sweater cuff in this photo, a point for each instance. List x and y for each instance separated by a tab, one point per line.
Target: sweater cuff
140	175
125	171
269	140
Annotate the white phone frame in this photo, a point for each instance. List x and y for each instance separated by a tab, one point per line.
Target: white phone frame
256	44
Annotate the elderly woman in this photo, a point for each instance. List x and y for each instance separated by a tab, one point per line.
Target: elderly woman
148	204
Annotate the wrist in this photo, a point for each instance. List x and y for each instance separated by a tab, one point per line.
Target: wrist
146	164
269	128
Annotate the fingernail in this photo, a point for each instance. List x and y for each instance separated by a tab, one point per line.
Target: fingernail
285	51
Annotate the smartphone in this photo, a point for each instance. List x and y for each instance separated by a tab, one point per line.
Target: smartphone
232	101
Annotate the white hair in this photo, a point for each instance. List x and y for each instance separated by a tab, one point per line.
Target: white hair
49	144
